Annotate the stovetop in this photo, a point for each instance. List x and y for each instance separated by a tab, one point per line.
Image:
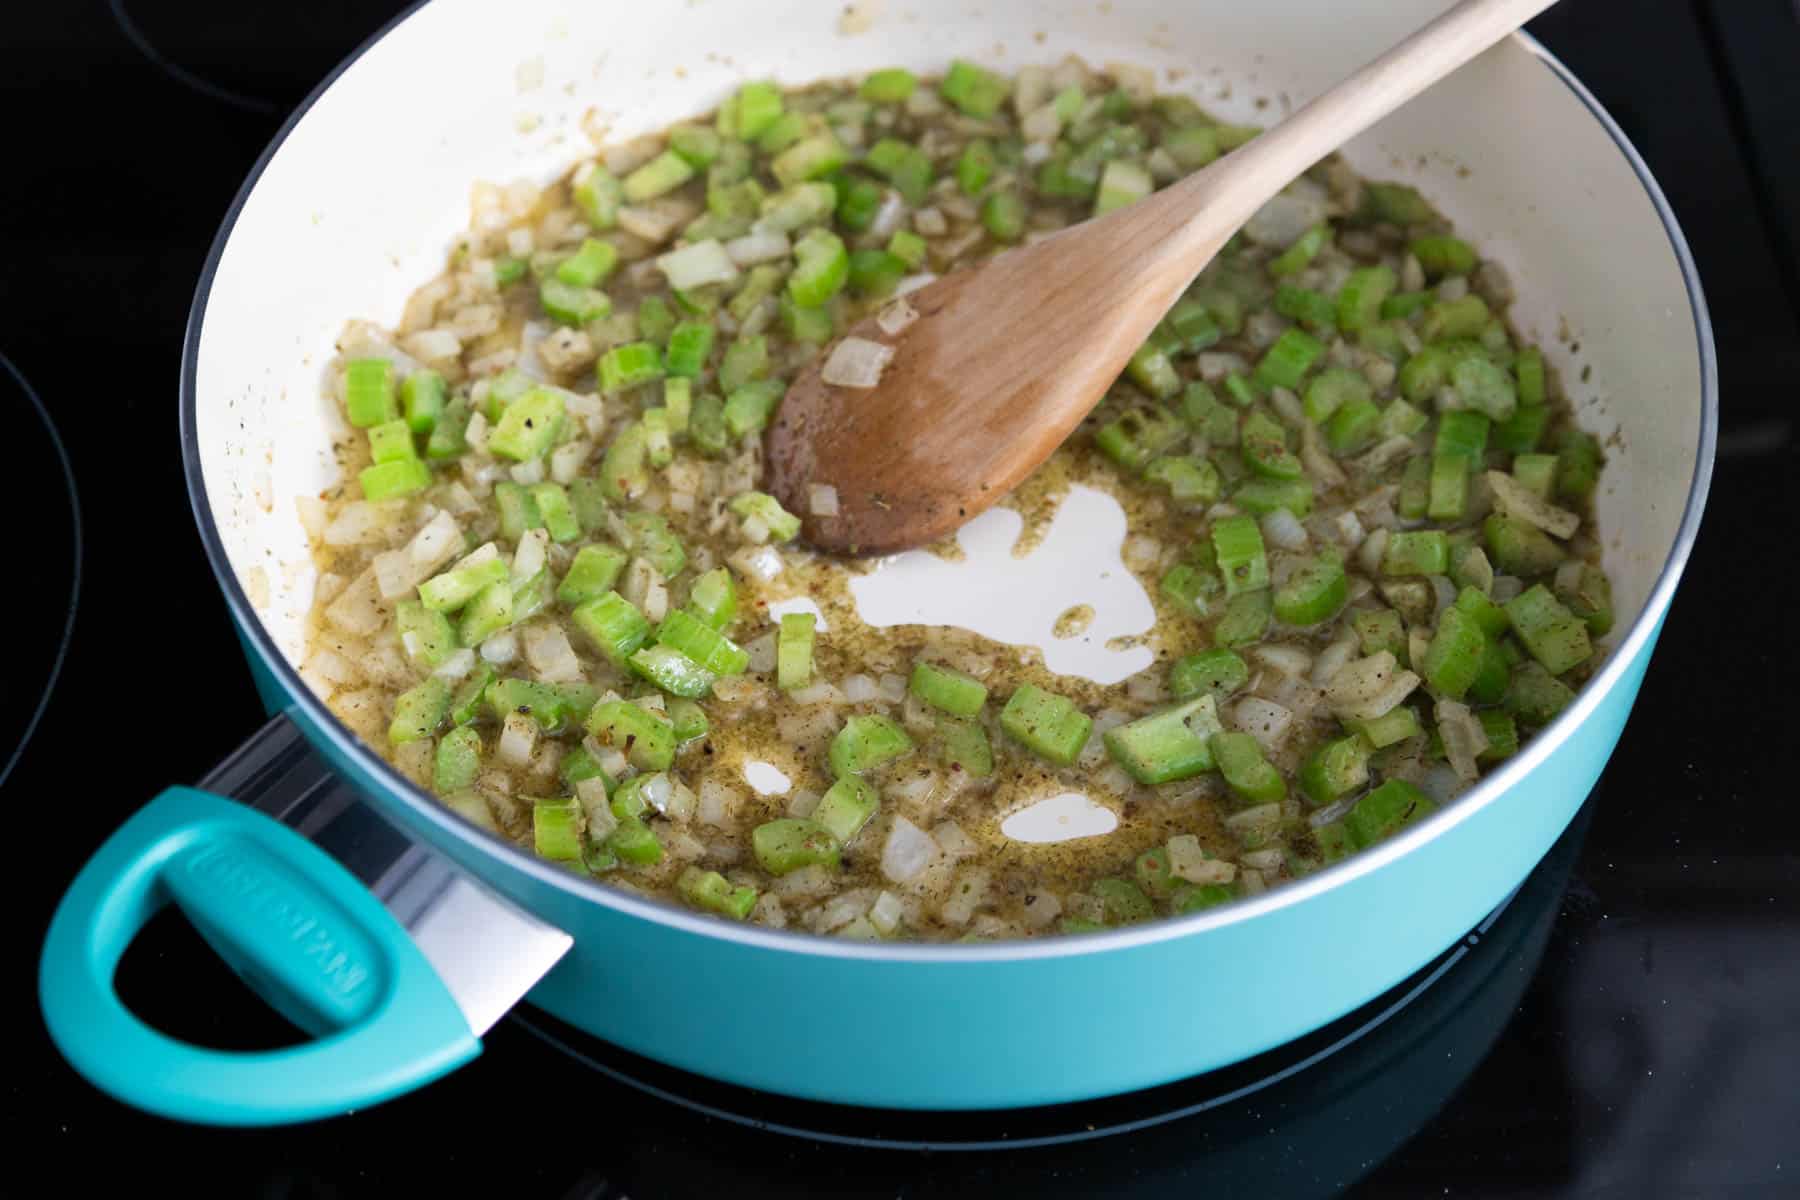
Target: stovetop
1629	1024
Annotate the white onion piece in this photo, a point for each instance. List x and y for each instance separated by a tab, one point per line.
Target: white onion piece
930	222
1349	528
822	499
716	804
1506	587
1263	720
913	283
1464	738
501	648
1332	659
456	665
821	692
1291	661
856	363
907	851
529	558
1283	530
551	656
860	689
889	217
1445	593
1217	364
1374	548
698	265
885	913
1036	153
1288	215
755	248
1370	687
896	317
892	688
1517	500
1318	461
762	654
518	738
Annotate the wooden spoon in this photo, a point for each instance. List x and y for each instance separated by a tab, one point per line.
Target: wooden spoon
1007	357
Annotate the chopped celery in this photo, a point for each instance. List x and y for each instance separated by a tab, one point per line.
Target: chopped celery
1169	745
846	807
612	623
644	738
951	691
1045	723
867	742
1216	673
790	843
794	650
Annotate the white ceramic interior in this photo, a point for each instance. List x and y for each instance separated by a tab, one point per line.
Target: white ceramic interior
368	191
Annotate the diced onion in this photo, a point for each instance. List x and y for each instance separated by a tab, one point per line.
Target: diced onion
856	363
518	738
822	499
755	248
1332	658
502	648
1464	738
698	265
896	317
548	651
913	283
1283	530
1263	720
1515	499
860	689
1369	687
716	803
907	851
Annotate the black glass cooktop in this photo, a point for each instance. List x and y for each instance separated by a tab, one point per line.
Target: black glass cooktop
1627	1025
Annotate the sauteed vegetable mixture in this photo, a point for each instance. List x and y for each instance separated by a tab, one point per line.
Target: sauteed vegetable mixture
551	592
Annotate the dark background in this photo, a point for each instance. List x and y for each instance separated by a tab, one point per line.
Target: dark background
1654	1052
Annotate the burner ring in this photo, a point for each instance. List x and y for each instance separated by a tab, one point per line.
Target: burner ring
60	456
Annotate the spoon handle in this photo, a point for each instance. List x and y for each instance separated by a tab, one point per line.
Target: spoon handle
1222	197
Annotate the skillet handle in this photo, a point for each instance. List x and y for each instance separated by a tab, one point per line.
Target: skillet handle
302	931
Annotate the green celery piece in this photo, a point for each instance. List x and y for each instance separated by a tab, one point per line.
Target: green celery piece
1246	619
783	526
867	742
748	409
1169	745
976	92
1556	637
593	572
518	510
614	624
419	711
487	614
425	634
466	705
711	892
713	598
950	691
1246	771
1216	673
1122	901
646	739
369	392
672	671
689	720
790	843
846	807
1045	723
454	588
1386	810
423	395
528	426
558	514
1335	770
383	481
653	540
634	843
794	650
457	763
556	829
963	746
697	639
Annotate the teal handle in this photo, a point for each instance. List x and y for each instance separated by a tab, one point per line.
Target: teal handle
300	929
